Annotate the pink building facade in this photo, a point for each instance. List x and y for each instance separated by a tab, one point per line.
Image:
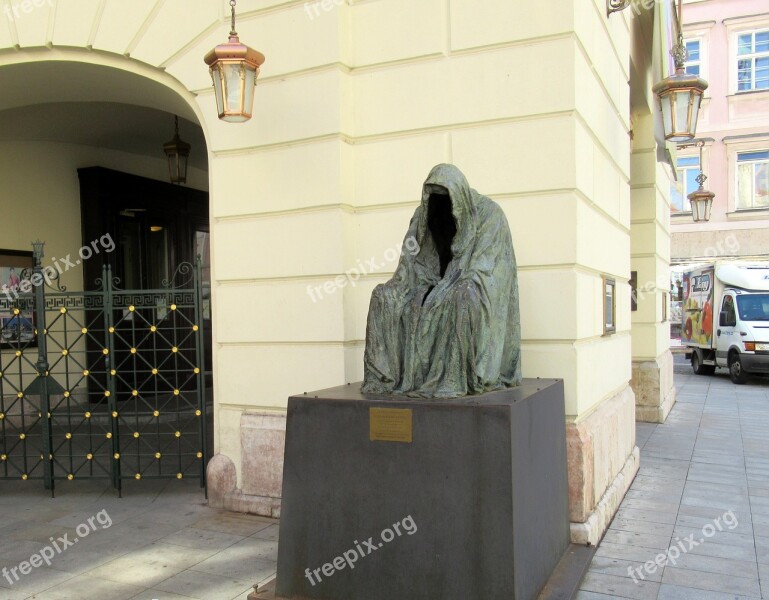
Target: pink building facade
728	43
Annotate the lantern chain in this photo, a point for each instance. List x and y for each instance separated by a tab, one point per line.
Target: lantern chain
679	52
232	7
701	178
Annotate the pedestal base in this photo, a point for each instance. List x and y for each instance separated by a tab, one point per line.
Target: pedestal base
447	498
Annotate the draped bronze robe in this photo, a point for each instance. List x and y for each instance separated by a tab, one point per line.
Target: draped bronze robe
444	335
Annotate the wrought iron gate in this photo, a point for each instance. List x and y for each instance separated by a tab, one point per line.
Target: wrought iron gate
108	383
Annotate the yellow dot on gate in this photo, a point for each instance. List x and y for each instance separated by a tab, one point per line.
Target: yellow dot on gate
107	393
112	330
196	370
87	414
1	373
136	434
179	475
24	476
173	307
108	435
18	352
86	373
64	352
176	392
66	394
174	349
89	456
3	456
198	413
113	372
134	392
116	455
16	311
22	436
138	476
195	328
133	350
2	416
200	455
154	371
68	435
63	310
153	329
178	434
105	351
156	413
132	308
70	476
20	394
114	414
158	455
84	330
45	332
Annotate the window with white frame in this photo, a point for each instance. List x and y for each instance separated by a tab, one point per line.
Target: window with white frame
687	169
753	179
753	61
694	60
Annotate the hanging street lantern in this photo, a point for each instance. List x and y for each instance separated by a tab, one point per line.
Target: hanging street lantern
234	68
701	199
680	95
178	152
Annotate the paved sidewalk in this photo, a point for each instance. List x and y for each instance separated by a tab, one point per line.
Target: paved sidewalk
164	543
710	457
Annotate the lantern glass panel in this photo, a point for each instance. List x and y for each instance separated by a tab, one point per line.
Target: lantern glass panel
682	112
233	82
216	75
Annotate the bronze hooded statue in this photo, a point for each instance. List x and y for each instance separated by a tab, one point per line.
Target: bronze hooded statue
447	323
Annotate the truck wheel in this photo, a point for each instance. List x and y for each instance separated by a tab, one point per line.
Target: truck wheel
736	372
699	368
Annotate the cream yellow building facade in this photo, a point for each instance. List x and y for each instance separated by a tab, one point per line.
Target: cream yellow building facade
545	106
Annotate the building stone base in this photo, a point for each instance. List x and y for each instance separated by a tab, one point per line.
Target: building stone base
262	436
655	391
602	460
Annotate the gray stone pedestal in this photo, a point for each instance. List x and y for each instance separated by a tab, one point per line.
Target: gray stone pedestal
430	499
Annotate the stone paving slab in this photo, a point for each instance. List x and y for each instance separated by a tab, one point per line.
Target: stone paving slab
162	543
702	491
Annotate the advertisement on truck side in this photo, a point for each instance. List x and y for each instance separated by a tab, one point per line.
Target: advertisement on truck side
697	308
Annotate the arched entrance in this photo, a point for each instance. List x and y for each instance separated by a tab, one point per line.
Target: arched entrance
82	166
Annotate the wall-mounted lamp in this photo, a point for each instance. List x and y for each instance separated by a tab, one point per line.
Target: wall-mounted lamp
234	68
701	199
178	152
680	95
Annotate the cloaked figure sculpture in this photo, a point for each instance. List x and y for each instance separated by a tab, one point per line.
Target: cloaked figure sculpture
447	324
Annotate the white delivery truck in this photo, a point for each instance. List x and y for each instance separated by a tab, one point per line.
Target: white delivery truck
725	318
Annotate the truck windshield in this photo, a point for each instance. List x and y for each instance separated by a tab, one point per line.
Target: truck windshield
753	307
